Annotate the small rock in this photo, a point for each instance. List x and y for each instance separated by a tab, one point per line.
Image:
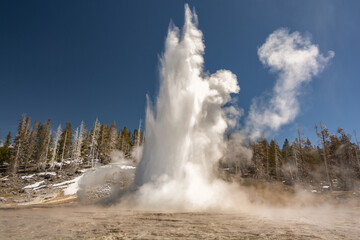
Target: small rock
2	199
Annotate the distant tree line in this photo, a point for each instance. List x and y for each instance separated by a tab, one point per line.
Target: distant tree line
41	146
335	162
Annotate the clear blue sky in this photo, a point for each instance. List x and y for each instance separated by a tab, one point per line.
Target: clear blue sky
79	60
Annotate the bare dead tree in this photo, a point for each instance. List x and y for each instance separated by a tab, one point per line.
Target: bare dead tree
323	134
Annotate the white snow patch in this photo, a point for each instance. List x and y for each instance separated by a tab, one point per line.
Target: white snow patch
326	187
313	191
66	161
127	167
118	165
4	178
72	188
64	183
47	173
34	185
27	176
40	187
106	166
38	174
69	187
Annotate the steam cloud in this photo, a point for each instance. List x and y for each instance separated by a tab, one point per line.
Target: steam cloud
296	60
185	130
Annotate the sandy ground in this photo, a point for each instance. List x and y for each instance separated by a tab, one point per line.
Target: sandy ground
79	222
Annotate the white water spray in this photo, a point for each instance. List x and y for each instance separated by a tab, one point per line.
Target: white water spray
185	130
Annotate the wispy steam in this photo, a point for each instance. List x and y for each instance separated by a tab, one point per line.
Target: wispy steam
296	60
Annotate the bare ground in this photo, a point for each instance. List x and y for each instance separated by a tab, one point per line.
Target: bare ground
79	222
56	216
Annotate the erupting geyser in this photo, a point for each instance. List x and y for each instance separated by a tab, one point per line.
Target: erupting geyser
185	129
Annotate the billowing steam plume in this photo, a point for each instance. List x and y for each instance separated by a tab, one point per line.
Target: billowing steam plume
185	130
296	60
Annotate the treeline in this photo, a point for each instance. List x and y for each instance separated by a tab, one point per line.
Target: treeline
334	163
40	145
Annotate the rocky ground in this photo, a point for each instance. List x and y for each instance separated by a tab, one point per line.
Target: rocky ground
35	187
69	184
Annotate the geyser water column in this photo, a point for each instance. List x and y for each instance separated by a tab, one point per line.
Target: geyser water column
185	129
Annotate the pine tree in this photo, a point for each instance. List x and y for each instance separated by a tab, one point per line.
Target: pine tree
5	150
310	158
65	142
49	148
288	166
94	143
286	150
30	151
86	143
140	136
25	140
125	142
265	155
323	135
344	159
275	159
18	146
295	159
356	149
112	139
43	141
137	138
104	144
119	140
259	159
8	140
